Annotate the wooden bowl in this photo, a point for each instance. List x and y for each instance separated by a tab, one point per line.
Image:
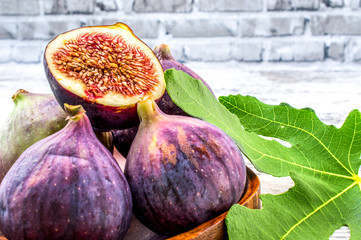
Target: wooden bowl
213	229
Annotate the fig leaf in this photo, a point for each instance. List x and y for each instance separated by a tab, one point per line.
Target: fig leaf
322	160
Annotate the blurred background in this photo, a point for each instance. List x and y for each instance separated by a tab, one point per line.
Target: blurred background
248	31
303	52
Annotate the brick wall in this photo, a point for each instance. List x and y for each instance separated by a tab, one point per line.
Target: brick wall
196	30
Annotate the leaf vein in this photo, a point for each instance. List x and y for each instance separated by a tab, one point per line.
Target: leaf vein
317	209
302	130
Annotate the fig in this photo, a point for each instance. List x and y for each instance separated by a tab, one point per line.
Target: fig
182	171
34	117
106	138
167	60
124	138
107	70
66	186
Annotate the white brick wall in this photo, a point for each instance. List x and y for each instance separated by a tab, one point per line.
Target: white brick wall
267	31
269	36
296	50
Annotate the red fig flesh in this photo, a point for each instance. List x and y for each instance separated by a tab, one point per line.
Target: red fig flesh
107	70
66	186
182	171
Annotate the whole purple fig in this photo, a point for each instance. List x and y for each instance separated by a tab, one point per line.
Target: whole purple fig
182	171
34	117
66	186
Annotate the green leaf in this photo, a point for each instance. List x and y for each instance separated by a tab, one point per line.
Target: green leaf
322	160
197	100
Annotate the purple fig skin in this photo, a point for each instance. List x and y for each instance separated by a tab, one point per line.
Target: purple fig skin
102	118
66	186
34	117
106	138
167	61
122	139
182	171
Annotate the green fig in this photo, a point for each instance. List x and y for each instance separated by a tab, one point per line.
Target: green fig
34	117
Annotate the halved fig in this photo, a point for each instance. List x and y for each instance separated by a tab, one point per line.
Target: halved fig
107	70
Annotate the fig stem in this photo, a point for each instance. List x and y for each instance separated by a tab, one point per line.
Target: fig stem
18	95
75	112
163	52
147	110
